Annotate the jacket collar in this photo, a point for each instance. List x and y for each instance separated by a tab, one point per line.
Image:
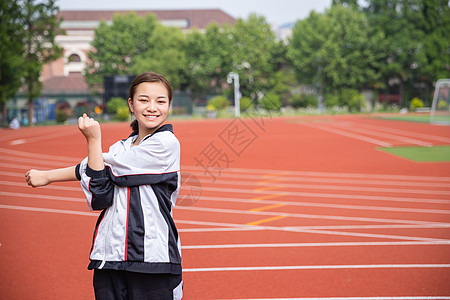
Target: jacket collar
165	127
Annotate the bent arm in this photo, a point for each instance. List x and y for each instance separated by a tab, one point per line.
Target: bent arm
37	178
91	131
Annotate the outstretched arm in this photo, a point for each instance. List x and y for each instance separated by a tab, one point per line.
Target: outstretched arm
37	178
91	130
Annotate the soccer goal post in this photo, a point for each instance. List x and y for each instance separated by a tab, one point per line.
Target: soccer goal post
440	109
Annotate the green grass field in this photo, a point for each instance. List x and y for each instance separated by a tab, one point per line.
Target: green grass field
418	118
421	154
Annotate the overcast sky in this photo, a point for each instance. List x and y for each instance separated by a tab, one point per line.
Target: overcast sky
277	12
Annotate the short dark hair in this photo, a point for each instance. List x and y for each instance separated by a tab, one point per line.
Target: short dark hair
148	77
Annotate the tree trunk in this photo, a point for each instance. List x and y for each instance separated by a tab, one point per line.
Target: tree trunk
401	91
30	112
5	122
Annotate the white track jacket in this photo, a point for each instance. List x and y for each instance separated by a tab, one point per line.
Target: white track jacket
136	192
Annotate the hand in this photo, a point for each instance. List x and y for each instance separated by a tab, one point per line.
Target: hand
89	128
37	178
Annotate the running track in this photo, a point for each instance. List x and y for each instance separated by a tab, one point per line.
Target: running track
271	208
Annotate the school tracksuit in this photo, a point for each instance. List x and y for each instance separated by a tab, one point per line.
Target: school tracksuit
136	192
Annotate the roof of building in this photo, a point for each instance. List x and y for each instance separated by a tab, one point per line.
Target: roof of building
196	18
74	83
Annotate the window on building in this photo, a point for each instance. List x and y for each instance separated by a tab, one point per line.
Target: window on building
74	58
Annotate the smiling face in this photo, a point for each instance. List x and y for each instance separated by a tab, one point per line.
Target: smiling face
150	106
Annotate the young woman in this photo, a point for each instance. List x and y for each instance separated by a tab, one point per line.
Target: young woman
136	251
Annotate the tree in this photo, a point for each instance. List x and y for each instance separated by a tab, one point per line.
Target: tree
436	43
41	26
165	54
209	59
11	52
347	3
336	50
254	44
403	46
117	46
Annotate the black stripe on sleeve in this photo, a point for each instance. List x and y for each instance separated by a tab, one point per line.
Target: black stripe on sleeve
77	172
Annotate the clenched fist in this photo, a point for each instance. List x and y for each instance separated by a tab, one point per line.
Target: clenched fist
37	178
89	128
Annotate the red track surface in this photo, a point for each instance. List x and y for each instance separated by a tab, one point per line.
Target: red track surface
304	207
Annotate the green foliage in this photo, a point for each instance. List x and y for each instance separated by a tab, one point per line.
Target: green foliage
335	50
122	113
417	39
11	49
442	105
41	26
219	103
415	103
209	60
331	100
303	101
270	102
253	47
115	103
165	54
245	103
352	99
282	83
117	46
60	116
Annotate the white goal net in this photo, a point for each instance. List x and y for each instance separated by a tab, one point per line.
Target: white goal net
440	109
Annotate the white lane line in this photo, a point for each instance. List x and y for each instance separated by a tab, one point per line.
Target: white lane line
45	197
36	209
302	245
43	137
254	178
283	193
356	298
332	196
39	156
336	188
355	128
323	267
17	142
269	202
406	133
326	174
350	135
308	216
333	227
328	205
370	235
49	210
47	187
26	162
260	172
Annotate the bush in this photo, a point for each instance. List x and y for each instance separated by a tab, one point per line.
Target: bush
60	116
270	101
415	103
331	100
303	101
297	101
122	113
245	103
310	100
114	103
354	100
442	105
219	103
